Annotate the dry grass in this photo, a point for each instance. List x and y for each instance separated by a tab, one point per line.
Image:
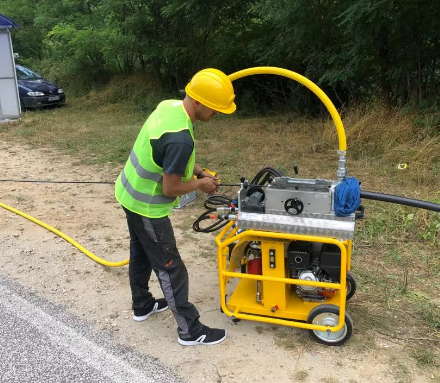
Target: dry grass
391	137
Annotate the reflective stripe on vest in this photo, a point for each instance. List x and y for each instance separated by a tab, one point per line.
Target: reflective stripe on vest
142	172
143	197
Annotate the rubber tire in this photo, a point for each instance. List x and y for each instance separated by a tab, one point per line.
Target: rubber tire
331	309
353	286
236	320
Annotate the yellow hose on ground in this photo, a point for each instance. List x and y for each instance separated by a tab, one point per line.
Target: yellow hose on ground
68	239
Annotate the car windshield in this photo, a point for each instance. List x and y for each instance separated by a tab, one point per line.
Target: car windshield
26	74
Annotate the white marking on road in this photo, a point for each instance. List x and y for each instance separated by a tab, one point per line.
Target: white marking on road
95	356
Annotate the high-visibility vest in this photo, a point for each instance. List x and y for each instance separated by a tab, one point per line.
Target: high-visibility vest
139	186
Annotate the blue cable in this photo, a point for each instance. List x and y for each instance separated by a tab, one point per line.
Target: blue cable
347	197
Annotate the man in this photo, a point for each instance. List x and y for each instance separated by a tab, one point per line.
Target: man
160	168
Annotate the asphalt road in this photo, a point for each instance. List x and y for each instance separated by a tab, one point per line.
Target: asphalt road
40	342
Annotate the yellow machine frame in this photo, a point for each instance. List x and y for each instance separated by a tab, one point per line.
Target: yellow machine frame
279	305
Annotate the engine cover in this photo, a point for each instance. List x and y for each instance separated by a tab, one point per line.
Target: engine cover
308	275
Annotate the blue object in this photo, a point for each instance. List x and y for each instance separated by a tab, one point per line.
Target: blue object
6	22
347	197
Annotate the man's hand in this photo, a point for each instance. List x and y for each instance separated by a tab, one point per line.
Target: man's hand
208	184
209	174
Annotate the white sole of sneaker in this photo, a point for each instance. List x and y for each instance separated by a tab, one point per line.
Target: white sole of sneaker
199	343
145	317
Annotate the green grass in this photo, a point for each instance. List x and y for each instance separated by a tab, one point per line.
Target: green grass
425	357
96	134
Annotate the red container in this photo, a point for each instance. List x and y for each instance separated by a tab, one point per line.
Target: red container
255	266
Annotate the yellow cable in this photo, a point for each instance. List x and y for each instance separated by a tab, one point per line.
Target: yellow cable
307	83
68	239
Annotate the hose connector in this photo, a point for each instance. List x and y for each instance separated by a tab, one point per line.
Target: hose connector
226	209
342	168
229	217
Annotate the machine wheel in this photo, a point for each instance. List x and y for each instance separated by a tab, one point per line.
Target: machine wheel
328	315
236	320
351	286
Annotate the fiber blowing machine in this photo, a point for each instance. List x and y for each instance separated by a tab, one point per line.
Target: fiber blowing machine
284	251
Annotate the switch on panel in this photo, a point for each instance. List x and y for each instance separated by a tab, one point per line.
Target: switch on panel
272	258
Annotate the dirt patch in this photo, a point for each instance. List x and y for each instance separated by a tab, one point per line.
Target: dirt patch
56	271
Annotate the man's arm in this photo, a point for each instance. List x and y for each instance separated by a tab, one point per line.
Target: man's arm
197	170
176	149
173	185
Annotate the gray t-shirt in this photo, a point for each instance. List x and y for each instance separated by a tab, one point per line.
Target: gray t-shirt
172	151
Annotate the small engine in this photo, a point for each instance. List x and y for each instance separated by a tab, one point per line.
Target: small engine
314	262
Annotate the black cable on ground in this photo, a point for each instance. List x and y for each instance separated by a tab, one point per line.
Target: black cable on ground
61	182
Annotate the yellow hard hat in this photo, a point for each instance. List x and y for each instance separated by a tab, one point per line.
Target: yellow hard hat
212	88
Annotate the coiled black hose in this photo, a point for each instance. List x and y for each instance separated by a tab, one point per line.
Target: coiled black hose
211	205
218	200
264	174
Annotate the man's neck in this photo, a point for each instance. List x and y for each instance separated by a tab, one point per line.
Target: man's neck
189	108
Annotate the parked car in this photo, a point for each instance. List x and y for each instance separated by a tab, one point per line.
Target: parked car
35	91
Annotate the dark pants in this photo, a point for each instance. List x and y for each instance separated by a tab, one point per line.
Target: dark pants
153	246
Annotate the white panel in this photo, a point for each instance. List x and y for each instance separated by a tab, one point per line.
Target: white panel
6	63
9	106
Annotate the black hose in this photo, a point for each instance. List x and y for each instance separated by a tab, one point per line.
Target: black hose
400	200
211	205
264	174
217	200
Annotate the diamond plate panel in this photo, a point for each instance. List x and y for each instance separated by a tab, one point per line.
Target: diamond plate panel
335	228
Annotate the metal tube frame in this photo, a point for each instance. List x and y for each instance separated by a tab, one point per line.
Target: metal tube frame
249	235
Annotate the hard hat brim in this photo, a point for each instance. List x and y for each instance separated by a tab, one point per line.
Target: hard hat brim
229	110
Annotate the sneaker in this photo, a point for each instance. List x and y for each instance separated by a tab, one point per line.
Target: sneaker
158	306
207	336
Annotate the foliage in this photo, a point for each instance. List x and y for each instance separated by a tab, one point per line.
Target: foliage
356	51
